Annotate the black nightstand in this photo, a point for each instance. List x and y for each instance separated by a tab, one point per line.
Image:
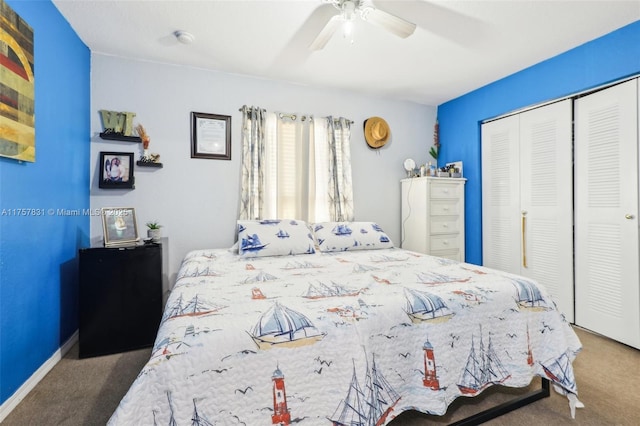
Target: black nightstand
120	298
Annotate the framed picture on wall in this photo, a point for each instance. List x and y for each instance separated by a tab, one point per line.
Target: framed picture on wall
119	226
116	170
17	94
210	136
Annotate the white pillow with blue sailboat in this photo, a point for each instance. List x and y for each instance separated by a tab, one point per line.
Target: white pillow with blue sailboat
274	237
346	236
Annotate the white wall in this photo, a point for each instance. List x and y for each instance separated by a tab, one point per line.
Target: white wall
196	199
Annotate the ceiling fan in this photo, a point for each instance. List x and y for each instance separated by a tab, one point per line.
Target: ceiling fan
348	9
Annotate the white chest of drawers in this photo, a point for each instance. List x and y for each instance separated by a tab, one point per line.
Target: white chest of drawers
433	216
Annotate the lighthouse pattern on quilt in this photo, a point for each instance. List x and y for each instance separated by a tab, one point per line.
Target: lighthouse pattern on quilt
281	415
430	379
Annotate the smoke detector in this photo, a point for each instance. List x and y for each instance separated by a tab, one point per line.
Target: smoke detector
184	37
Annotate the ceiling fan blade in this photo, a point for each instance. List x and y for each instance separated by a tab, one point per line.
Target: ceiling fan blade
441	19
326	33
389	22
297	50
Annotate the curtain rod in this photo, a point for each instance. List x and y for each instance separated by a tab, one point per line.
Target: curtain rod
304	117
244	108
294	116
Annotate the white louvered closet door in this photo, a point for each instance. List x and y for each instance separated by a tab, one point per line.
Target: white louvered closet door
606	213
546	200
527	198
501	194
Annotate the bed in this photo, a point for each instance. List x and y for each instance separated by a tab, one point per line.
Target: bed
331	324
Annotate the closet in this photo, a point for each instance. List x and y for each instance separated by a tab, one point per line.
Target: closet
560	205
527	198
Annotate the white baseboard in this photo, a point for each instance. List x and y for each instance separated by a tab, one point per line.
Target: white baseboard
13	401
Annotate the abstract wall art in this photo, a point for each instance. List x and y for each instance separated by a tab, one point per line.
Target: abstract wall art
17	87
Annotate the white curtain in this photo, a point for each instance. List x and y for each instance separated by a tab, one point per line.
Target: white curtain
253	154
340	184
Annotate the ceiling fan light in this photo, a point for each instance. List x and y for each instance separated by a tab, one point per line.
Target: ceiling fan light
347	30
348	17
348	10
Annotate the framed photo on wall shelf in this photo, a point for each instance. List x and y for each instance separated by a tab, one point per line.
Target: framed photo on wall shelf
119	226
116	170
210	136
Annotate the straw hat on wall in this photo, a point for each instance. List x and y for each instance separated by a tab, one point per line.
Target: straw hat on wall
376	132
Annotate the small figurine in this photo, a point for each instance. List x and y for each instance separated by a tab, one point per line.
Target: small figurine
145	142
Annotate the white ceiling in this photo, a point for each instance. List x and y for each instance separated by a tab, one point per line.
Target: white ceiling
458	46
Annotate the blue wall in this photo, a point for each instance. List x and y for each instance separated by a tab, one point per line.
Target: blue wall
38	278
608	58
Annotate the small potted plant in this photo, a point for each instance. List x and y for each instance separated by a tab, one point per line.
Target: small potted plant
153	230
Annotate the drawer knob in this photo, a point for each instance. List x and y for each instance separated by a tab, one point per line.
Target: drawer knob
445	242
445	226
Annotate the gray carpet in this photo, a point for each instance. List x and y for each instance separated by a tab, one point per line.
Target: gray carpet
87	391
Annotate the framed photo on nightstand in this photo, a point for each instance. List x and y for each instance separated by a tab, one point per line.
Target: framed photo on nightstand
119	226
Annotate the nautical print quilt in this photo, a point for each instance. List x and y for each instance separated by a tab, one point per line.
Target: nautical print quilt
343	338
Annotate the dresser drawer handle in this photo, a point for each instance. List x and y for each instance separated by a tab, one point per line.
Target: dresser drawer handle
445	225
445	242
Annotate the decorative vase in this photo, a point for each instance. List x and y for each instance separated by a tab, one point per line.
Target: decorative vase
145	154
154	234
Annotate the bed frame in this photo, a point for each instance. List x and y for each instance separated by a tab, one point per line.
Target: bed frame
506	407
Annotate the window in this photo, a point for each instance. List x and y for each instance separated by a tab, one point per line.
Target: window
305	169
